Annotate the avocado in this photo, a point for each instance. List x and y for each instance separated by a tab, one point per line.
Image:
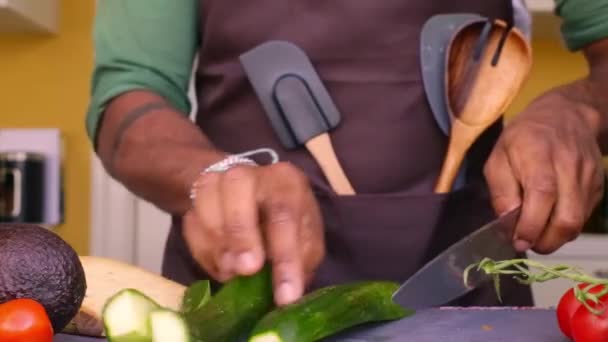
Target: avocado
36	263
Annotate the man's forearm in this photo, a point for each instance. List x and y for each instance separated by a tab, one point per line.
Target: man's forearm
155	151
597	87
591	92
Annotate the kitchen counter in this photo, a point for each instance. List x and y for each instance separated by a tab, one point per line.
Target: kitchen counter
449	325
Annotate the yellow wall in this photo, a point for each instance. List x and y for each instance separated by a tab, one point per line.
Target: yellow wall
553	65
44	83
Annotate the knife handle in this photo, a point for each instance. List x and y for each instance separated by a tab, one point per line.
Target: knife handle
321	148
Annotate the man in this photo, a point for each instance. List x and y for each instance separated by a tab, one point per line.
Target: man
548	160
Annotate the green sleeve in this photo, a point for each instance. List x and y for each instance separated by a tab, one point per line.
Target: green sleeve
142	44
583	21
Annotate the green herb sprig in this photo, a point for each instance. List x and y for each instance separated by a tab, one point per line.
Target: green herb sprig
523	271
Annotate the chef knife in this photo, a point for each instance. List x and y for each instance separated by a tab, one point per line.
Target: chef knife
442	279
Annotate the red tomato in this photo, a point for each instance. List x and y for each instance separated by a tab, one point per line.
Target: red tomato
24	320
567	307
588	327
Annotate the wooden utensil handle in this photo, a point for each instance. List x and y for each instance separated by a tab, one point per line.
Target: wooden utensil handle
461	139
322	150
448	173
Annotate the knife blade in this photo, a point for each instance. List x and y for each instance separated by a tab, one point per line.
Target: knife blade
442	279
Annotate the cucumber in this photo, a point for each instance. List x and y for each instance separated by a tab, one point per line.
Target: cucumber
330	310
131	316
196	296
125	316
167	325
232	312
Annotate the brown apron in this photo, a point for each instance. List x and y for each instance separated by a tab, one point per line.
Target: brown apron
367	54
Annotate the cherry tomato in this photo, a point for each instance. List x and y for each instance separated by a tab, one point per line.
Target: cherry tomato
24	320
567	307
589	327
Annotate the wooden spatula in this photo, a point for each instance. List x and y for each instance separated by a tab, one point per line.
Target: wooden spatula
485	81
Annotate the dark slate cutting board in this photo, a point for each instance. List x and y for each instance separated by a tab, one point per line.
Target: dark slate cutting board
448	325
461	325
70	338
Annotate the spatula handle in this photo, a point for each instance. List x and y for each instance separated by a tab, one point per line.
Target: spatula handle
322	150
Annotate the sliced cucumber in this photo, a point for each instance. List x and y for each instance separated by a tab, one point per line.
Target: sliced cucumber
328	311
232	312
270	336
129	338
167	325
196	296
125	316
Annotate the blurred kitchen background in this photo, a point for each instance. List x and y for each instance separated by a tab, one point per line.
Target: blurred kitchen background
45	64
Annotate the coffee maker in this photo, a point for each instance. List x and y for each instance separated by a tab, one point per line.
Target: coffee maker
22	187
31	176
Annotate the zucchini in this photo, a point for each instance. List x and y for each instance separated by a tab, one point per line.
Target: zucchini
232	312
105	277
196	296
330	310
125	316
166	325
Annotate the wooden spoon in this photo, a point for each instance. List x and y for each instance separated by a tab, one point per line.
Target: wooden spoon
478	91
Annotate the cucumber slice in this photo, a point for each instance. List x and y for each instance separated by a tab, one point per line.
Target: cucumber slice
125	316
270	336
129	338
328	311
167	325
196	296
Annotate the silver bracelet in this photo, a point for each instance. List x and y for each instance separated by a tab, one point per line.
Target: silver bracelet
232	161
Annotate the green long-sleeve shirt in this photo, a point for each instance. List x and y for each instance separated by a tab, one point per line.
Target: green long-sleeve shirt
151	44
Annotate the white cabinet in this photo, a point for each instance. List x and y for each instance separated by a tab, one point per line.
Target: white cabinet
29	16
540	6
589	252
546	24
152	227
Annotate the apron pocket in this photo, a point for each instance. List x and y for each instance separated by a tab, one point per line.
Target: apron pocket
390	236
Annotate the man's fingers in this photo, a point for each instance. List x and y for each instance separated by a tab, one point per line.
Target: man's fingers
245	253
593	180
569	212
198	244
283	206
248	215
504	187
208	208
312	239
282	231
540	194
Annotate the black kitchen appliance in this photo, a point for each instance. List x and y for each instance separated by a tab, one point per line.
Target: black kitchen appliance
22	187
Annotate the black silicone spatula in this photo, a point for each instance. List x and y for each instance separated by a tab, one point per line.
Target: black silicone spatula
297	104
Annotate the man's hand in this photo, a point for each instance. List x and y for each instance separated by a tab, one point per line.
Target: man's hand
248	215
548	160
